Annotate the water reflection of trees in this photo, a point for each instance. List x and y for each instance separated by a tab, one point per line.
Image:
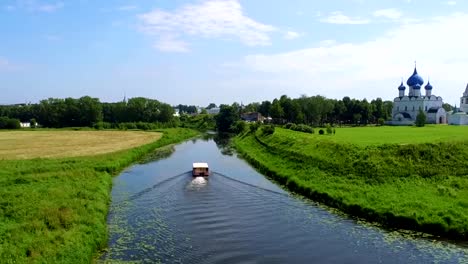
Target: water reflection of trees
158	154
222	140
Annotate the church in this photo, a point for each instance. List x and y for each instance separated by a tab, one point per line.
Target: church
406	106
459	116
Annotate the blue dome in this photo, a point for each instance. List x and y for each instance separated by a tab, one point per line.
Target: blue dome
415	79
417	86
401	87
428	86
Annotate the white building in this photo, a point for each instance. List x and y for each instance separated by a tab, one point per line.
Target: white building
213	111
460	116
406	107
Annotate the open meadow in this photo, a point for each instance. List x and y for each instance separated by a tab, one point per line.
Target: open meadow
62	143
53	210
364	136
404	177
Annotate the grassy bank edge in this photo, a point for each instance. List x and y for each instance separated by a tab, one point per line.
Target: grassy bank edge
247	144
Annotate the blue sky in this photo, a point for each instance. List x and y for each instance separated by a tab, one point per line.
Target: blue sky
201	51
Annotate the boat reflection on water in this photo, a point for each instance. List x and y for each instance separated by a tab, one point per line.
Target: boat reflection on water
197	183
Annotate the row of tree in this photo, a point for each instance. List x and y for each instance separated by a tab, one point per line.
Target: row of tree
319	110
86	111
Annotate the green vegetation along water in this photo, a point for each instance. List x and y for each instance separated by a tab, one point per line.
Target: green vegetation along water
54	210
420	187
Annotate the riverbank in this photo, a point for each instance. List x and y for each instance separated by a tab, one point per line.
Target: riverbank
55	210
421	187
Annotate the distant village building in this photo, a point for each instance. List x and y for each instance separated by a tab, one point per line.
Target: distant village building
459	116
213	111
406	107
252	117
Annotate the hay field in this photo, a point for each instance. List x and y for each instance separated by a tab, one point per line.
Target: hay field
59	144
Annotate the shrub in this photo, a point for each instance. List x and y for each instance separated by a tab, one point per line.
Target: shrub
321	132
239	127
380	121
32	123
300	128
420	119
289	125
254	126
268	129
329	129
9	123
305	128
103	125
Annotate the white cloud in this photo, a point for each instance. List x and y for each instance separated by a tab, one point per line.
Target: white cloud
292	35
390	13
208	19
171	44
338	17
50	7
372	68
127	8
36	6
451	3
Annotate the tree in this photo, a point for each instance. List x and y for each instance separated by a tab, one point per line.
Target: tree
276	110
211	105
421	119
226	118
264	108
32	123
447	107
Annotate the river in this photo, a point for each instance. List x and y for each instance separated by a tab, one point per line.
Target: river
161	214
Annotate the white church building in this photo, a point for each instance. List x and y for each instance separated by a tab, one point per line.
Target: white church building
459	116
406	106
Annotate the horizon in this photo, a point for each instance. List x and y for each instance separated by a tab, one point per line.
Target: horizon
229	51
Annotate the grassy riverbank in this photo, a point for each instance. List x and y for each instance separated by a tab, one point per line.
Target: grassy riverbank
54	210
421	186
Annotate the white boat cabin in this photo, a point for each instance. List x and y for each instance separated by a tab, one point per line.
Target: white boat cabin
200	169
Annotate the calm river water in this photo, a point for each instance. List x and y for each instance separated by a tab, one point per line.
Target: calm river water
160	214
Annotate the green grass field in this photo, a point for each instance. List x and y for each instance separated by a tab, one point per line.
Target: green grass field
420	186
364	136
54	210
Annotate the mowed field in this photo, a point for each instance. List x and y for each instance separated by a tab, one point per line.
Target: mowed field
59	144
365	136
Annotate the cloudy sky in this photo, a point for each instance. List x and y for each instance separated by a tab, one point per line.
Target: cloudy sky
201	51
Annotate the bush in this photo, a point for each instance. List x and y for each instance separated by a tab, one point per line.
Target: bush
305	128
300	128
380	121
9	123
103	125
239	127
289	125
420	119
254	126
321	132
32	123
329	130
268	129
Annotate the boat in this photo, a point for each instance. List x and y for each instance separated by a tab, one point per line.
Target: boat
200	169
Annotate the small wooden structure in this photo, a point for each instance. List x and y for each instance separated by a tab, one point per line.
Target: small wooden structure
200	169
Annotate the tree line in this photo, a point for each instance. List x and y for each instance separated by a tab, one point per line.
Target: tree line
319	110
87	111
